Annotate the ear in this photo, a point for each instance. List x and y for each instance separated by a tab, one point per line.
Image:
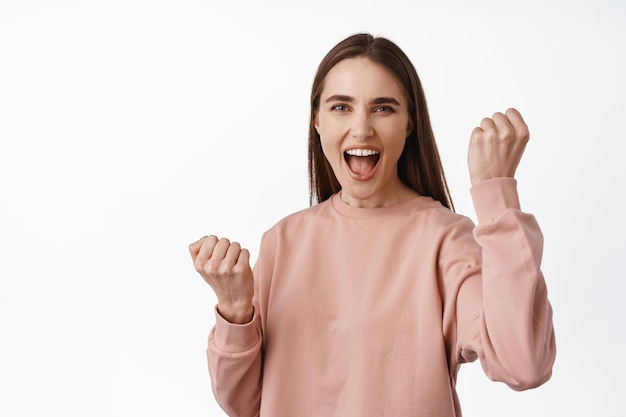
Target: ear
409	128
316	125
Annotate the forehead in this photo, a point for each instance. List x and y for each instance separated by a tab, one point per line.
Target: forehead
361	78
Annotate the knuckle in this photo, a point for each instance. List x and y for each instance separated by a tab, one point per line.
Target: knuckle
212	268
490	135
524	132
506	133
476	133
239	269
202	268
223	269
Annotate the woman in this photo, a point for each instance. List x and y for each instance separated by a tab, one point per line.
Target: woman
367	303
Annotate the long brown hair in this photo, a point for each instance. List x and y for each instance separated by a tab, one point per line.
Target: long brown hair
419	166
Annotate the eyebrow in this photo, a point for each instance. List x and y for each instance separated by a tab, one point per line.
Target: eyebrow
349	99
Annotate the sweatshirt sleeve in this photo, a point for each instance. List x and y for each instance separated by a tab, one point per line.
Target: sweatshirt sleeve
234	358
504	314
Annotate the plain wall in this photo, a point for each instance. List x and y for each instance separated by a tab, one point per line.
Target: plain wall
129	129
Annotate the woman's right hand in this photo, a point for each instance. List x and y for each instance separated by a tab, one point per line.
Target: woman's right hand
225	266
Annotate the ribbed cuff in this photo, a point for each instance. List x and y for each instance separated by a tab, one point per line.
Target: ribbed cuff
235	338
492	197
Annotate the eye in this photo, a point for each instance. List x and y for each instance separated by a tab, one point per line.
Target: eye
384	109
339	107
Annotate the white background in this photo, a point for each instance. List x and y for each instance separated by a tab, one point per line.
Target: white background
129	129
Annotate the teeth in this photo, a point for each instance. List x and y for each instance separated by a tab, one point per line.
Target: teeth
362	152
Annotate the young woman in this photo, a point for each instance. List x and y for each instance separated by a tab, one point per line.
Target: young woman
367	303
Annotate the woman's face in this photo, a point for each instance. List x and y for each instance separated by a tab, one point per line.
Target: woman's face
363	122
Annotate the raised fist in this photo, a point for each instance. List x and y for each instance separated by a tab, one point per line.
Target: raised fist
496	147
225	266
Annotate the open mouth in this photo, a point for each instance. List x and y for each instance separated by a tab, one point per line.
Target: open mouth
362	162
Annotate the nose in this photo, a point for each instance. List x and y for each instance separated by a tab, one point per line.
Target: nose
361	127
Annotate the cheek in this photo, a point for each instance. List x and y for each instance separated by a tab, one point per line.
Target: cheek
329	143
396	141
330	151
397	152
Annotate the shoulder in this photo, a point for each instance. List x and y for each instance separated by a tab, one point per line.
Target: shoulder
300	221
305	216
450	232
439	217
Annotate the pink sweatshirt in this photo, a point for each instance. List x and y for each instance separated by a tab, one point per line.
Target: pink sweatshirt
370	312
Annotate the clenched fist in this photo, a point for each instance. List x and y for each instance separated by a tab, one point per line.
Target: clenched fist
225	266
496	147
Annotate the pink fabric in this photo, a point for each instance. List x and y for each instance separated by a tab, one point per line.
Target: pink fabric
370	312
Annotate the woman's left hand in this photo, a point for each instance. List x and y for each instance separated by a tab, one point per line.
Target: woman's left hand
496	147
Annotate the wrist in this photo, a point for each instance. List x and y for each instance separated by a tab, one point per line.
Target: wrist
236	314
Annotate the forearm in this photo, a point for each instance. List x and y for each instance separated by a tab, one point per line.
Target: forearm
235	363
517	336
